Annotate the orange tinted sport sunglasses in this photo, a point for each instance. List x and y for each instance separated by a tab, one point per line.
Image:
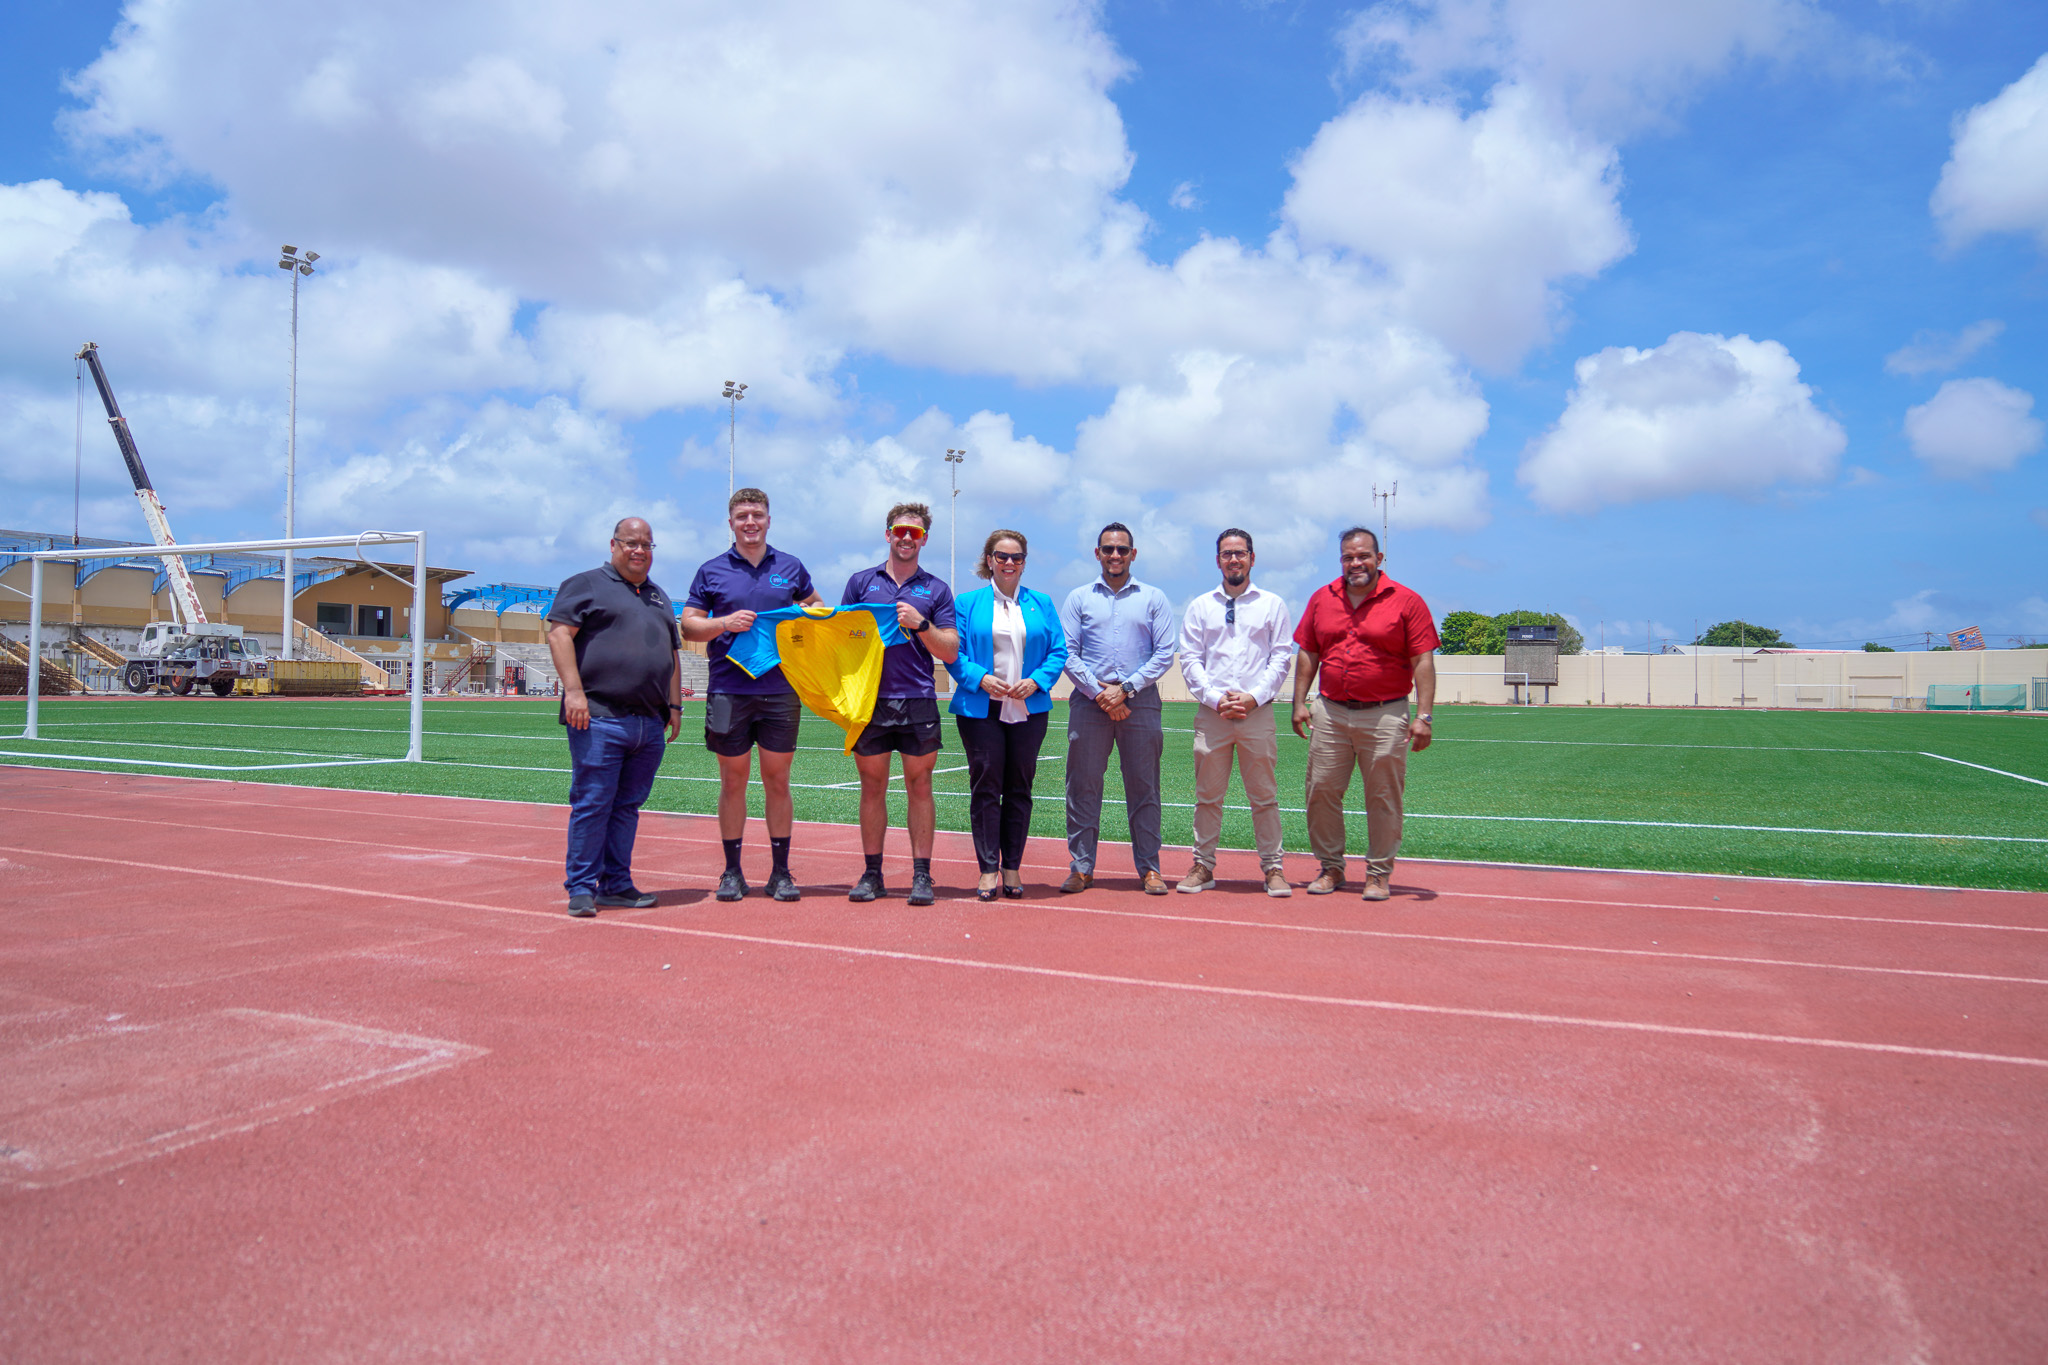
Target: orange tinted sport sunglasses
907	532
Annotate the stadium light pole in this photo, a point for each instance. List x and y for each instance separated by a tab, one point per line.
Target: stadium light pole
1695	661
291	262
732	394
954	459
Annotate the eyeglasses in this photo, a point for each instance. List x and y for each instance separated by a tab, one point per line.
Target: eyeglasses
907	532
1005	557
1115	551
1233	554
633	546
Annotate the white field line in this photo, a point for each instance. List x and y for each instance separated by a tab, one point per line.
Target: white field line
203	767
1981	768
616	923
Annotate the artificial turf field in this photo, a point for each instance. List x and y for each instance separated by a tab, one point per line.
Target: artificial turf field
1939	799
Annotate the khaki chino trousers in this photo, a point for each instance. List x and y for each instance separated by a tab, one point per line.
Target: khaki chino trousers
1374	739
1256	746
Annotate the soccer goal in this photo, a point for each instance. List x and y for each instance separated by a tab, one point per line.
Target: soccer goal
1817	696
299	758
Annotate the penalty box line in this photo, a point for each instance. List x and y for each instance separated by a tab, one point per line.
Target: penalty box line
1096	978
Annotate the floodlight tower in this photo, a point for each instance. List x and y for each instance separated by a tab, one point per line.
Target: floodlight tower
732	394
291	261
954	459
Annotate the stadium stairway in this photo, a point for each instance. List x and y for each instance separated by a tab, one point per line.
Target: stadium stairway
56	679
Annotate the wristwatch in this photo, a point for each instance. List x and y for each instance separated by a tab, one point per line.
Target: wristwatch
922	626
1422	715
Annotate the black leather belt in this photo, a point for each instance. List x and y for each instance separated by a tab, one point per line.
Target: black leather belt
1363	705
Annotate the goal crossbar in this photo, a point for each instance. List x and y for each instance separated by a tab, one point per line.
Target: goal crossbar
417	539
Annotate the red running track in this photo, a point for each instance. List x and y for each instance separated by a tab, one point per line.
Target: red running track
315	1075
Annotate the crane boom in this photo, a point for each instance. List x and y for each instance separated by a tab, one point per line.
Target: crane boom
184	595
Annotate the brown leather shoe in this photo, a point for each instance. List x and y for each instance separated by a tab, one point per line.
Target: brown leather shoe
1153	884
1376	888
1199	879
1077	881
1326	881
1276	884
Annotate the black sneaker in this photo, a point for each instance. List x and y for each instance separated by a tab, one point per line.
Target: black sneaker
731	885
782	886
583	905
921	892
632	898
867	888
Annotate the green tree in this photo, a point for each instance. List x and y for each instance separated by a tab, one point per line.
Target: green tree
1569	641
1873	647
1734	634
1463	632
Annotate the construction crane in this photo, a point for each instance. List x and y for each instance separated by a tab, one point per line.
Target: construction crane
192	651
184	595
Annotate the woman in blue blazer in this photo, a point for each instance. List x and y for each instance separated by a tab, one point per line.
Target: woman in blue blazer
1011	652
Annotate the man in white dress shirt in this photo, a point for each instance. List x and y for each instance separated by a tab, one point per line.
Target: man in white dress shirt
1236	647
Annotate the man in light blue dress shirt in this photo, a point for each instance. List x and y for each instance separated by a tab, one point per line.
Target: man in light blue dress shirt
1121	636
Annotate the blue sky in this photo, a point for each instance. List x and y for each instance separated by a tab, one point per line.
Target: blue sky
1656	317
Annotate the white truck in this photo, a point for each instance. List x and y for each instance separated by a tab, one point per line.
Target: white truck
190	651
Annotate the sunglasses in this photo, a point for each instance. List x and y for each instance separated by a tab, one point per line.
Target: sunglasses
1005	557
907	532
1115	551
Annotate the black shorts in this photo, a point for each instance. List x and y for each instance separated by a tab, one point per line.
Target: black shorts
735	722
904	725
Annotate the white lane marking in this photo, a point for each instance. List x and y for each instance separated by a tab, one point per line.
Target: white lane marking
1532	944
1099	978
654	835
1981	768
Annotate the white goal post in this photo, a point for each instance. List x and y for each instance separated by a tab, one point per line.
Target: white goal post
1831	698
417	539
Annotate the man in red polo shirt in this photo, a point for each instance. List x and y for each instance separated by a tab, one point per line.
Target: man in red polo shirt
1371	640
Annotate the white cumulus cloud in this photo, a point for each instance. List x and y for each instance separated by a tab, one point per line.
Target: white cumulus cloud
1701	413
1475	218
1996	179
1973	426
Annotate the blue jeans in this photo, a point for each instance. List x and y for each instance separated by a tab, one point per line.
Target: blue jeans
612	767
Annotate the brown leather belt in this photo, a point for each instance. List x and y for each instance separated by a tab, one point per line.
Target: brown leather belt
1363	705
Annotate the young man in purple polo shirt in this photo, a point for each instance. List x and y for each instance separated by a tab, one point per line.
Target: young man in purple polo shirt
906	718
745	712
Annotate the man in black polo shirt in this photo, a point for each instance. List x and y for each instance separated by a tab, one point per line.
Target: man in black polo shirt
612	634
906	718
743	711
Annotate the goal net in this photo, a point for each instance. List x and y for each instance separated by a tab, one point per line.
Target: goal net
157	721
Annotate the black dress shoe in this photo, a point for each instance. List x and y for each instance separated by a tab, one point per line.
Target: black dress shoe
632	898
731	885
